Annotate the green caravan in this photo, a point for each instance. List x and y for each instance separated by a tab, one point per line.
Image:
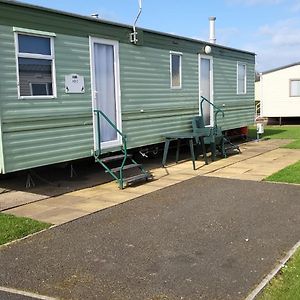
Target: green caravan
73	85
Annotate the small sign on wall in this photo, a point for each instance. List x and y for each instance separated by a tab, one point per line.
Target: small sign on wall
74	84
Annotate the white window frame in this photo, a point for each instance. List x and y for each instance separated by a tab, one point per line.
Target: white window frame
51	57
180	71
290	86
237	78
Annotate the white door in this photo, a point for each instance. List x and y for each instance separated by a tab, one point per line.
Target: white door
106	91
206	88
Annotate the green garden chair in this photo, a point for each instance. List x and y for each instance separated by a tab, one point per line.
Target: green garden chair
213	136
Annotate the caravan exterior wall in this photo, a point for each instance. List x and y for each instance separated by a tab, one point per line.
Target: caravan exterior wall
42	131
279	93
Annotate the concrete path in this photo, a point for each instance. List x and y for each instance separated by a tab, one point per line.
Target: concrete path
258	160
9	198
205	238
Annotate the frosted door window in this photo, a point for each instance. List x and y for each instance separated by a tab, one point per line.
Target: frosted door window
205	88
105	89
295	88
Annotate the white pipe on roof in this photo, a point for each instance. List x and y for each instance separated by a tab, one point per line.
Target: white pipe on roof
212	30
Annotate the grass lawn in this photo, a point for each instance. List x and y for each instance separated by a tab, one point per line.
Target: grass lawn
280	132
286	285
12	228
293	145
290	174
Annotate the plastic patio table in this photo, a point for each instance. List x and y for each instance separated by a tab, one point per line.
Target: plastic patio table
179	136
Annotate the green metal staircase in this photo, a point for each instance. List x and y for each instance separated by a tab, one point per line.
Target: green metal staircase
126	160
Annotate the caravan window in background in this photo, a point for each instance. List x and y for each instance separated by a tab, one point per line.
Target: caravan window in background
175	70
35	66
295	88
241	78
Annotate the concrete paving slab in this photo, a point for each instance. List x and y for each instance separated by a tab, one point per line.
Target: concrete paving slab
247	176
144	189
16	198
205	238
94	205
260	166
60	215
63	201
119	196
30	210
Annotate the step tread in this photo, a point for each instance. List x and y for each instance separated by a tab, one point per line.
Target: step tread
126	167
137	178
114	158
232	148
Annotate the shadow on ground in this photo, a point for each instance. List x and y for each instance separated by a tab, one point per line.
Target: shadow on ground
56	180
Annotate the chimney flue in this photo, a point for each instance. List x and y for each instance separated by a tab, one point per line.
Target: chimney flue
212	31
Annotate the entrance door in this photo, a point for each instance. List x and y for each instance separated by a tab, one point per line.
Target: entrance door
106	91
206	88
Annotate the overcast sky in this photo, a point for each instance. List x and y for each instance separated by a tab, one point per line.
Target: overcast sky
270	28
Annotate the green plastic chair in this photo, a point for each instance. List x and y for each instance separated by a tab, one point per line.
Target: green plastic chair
213	136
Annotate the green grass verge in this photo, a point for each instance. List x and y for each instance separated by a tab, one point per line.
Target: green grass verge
290	174
280	132
293	145
12	228
286	285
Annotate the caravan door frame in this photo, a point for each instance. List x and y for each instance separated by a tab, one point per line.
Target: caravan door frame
211	78
115	44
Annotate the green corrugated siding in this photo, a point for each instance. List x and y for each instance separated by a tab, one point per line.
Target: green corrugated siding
239	109
145	86
41	132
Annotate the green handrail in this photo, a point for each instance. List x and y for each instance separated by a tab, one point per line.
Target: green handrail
216	110
100	114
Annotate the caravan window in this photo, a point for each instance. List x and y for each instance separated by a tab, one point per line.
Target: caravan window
294	87
175	69
241	78
35	66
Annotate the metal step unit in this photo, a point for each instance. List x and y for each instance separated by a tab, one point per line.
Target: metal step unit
119	173
126	160
229	147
